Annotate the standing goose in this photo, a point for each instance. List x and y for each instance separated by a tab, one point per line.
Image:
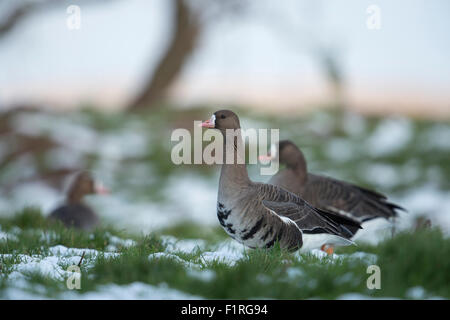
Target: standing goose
327	193
74	213
258	214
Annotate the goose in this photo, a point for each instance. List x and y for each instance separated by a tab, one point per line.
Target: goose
74	213
325	192
257	214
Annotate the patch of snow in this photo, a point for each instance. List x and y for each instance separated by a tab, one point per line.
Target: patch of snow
116	241
340	149
323	255
346	278
354	124
263	278
205	275
159	255
132	291
437	137
432	202
34	194
389	136
199	199
47	267
315	241
13	293
375	231
359	296
7	236
174	245
228	252
368	258
123	144
62	157
63	251
294	272
61	129
383	175
416	293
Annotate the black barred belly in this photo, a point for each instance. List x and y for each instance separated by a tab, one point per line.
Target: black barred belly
258	234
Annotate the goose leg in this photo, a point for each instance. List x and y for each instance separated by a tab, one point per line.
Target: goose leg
329	249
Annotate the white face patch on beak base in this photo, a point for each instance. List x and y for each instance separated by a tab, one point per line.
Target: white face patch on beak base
211	123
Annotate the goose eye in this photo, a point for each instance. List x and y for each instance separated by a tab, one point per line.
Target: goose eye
222	116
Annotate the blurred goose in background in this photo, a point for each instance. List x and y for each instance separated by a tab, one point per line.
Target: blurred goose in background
324	192
258	214
74	213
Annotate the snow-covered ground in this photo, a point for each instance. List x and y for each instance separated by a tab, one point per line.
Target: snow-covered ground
55	266
191	197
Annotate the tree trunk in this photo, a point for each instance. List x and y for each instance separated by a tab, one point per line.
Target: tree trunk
186	32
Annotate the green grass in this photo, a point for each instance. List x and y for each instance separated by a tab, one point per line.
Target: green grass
38	233
407	260
190	230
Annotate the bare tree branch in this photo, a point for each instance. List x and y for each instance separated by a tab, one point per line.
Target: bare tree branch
189	21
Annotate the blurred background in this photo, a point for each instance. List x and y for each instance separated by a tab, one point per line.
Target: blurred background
361	87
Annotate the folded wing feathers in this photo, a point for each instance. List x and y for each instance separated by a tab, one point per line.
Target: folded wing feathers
307	217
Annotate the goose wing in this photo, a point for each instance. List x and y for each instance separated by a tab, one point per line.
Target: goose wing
307	218
351	200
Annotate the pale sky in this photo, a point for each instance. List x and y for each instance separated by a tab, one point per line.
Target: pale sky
255	58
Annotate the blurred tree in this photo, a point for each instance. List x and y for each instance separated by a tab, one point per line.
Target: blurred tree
190	20
186	31
328	60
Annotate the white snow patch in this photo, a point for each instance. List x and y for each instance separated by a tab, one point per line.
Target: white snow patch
383	175
359	296
353	123
197	205
375	231
63	251
294	272
340	149
368	258
159	255
323	255
432	202
346	278
7	236
416	293
389	136
61	129
121	242
438	137
135	290
174	245
34	194
228	252
204	275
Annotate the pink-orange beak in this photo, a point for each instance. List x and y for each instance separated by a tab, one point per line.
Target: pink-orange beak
210	123
100	189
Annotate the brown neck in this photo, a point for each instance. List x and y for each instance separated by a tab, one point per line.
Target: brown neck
299	167
234	171
74	196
